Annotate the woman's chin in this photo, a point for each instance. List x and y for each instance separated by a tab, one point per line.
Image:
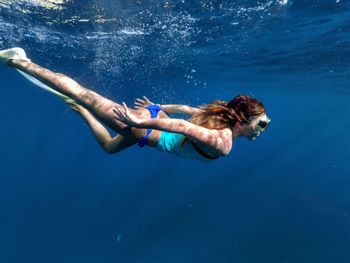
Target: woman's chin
253	136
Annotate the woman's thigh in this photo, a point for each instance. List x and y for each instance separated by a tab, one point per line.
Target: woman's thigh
102	109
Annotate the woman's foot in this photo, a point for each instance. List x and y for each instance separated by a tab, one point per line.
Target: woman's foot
12	53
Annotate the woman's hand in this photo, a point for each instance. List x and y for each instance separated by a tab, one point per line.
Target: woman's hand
142	103
126	117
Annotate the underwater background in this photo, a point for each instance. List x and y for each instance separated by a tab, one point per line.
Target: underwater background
283	198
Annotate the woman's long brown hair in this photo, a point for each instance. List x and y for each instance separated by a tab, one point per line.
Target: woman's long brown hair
220	114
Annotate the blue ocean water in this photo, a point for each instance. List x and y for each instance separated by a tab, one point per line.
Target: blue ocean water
282	198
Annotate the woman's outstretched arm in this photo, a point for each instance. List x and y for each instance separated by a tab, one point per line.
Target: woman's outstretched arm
168	108
182	109
209	137
218	140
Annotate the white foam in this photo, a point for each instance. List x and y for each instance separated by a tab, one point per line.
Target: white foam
132	32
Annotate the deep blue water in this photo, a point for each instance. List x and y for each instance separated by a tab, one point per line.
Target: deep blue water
283	198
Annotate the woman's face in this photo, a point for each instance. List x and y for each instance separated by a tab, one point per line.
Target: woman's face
254	128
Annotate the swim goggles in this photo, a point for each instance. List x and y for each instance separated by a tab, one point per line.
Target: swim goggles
261	122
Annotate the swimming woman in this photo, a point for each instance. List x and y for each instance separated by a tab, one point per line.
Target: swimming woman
208	134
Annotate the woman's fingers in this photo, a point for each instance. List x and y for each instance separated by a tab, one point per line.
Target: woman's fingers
118	114
121	111
124	115
147	100
143	102
126	110
139	104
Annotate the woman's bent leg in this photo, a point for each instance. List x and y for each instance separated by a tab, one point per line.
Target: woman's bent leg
101	107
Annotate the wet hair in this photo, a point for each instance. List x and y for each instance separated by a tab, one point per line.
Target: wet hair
220	114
